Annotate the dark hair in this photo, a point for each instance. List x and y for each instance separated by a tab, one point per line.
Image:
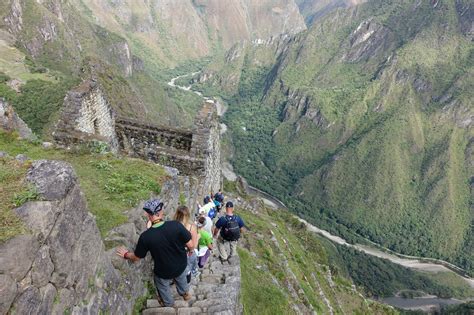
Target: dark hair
202	220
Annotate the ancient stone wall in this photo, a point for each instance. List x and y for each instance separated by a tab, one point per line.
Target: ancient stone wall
86	115
206	145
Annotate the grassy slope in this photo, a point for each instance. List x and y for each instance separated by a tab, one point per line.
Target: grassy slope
278	256
111	184
397	175
275	249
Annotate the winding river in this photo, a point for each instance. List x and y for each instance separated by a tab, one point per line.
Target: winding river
416	263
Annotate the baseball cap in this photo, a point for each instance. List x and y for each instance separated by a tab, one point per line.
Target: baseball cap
229	204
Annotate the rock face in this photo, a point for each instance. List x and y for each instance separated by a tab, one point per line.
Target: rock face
63	265
9	121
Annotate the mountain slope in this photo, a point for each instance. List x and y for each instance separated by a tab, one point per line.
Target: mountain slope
368	124
126	46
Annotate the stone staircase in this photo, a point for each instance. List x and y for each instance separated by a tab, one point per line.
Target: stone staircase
215	291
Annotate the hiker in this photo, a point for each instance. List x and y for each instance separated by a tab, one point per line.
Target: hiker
230	227
208	226
182	215
165	240
209	207
219	200
204	244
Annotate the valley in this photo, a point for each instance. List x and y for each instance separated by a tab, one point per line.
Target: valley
420	264
350	123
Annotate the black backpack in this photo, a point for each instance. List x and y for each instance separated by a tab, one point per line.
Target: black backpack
231	231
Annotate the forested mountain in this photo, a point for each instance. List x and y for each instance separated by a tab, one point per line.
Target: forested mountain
365	121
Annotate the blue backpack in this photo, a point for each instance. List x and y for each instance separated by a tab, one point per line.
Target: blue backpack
212	213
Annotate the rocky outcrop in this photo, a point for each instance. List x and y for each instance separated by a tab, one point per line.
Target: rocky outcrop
62	265
10	121
367	41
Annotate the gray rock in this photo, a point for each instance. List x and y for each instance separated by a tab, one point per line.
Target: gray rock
189	310
63	300
48	294
8	291
21	158
160	310
39	217
225	309
17	256
42	268
47	145
29	302
3	154
53	179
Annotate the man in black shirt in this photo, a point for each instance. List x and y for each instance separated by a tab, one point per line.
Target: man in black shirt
166	242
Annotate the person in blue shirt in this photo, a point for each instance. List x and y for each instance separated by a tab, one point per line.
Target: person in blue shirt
228	229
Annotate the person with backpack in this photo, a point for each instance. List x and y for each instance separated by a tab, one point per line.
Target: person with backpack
229	227
209	207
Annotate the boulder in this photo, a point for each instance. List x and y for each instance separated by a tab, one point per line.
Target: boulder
53	179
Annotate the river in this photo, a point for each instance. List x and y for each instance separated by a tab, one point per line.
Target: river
416	263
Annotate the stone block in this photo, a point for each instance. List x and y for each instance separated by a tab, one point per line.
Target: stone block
152	304
189	311
159	310
181	303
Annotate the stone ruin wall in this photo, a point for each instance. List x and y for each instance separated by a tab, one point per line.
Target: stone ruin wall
88	116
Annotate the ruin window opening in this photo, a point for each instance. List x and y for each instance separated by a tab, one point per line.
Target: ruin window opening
95	122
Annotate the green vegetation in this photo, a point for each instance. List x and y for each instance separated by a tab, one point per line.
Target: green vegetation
29	194
367	148
279	257
13	192
39	102
140	303
111	185
381	278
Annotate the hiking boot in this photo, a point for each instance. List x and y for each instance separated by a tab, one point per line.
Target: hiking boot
186	296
